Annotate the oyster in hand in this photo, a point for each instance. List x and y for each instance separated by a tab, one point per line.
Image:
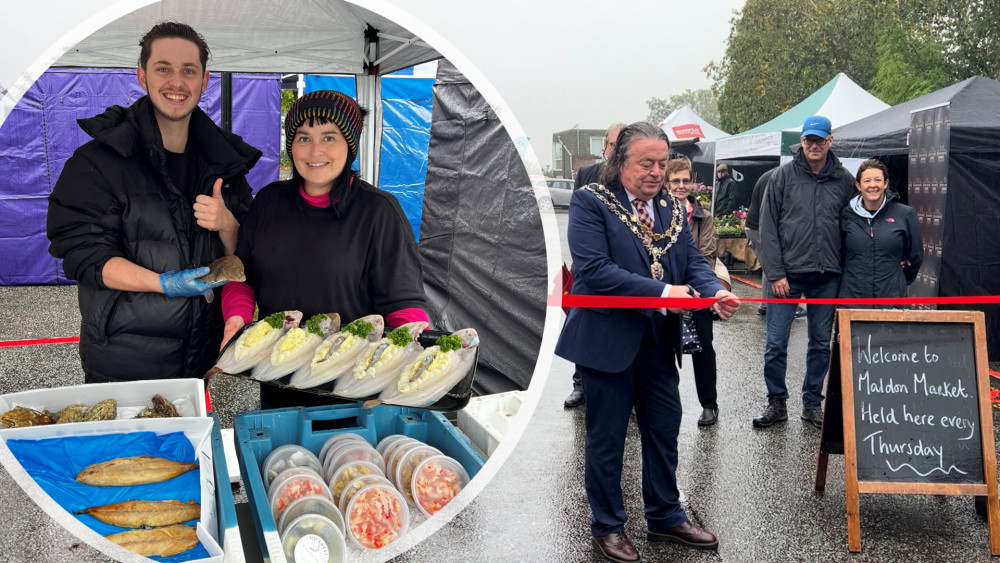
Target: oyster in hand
227	268
105	410
19	417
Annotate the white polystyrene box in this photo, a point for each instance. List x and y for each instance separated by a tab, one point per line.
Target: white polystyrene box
188	395
197	430
486	419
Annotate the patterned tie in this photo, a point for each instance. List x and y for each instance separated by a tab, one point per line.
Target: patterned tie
642	213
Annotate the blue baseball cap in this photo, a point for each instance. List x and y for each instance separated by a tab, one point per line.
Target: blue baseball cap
817	125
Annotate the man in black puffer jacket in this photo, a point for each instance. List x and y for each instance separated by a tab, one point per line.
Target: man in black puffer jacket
801	255
139	210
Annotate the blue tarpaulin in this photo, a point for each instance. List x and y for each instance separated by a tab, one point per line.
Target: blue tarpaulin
41	133
54	464
406	129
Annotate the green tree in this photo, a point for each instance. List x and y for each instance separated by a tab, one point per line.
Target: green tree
910	60
288	98
969	29
780	51
701	101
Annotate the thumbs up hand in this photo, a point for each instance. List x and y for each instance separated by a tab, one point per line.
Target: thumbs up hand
211	211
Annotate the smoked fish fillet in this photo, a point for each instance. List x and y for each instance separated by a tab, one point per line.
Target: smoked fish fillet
139	513
128	471
161	542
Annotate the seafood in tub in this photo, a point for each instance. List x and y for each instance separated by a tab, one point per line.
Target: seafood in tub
434	371
295	348
381	363
255	343
338	353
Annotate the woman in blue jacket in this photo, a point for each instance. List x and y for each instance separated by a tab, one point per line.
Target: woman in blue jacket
882	248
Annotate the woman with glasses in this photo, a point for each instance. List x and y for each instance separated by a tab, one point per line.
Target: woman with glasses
881	238
702	227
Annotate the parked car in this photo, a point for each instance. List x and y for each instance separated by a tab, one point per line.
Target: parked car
560	190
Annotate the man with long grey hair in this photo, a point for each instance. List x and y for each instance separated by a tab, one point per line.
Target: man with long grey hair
629	238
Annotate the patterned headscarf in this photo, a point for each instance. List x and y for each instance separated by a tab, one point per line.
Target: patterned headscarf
333	106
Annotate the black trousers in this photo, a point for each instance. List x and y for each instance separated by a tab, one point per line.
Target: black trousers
704	362
650	385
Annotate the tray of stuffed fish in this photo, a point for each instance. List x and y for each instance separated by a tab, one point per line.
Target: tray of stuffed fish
410	365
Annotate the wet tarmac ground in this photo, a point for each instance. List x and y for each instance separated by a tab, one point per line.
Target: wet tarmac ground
752	488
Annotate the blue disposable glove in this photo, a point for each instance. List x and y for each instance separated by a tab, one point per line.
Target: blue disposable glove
184	283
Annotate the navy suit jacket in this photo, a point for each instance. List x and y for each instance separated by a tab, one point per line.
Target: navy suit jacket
610	260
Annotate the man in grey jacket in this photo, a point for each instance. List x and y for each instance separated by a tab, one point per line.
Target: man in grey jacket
800	238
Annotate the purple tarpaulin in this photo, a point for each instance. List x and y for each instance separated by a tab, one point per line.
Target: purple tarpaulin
41	133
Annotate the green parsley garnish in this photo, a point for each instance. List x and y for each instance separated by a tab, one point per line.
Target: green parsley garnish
360	328
312	325
400	337
277	320
449	342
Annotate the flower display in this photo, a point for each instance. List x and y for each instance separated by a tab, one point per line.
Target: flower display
703	194
731	225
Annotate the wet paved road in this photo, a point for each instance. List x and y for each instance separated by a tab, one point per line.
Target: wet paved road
752	488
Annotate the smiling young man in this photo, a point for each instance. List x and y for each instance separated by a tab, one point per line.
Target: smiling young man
139	210
800	239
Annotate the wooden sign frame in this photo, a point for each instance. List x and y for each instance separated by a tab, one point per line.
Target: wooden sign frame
855	488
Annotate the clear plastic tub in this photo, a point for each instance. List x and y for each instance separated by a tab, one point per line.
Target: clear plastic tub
392	462
293	484
376	516
391	449
287	457
356	485
389	440
436	481
312	504
347	472
407	463
336	439
312	538
354	452
336	449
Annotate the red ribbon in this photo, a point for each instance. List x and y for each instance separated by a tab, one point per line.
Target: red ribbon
619	302
37	341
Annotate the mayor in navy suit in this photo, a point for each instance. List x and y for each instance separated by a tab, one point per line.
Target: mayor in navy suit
626	356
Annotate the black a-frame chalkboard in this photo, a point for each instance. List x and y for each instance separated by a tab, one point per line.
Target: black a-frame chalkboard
914	396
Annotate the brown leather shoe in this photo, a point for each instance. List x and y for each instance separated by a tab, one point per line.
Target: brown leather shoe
687	534
617	547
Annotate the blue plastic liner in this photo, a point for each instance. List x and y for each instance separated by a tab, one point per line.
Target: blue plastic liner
54	464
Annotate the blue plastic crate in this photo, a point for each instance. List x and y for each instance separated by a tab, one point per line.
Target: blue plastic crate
259	432
229	531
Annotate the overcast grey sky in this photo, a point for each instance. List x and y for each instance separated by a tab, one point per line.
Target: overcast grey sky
556	63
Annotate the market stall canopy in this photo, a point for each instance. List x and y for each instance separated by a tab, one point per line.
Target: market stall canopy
841	100
281	36
288	36
974	115
683	124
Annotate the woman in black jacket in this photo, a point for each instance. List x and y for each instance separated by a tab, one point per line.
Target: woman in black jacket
881	238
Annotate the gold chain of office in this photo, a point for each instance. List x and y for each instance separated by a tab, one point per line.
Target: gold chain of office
642	232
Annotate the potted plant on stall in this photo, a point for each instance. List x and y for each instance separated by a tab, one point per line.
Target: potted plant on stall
731	226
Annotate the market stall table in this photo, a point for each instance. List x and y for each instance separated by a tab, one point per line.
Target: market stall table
739	249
